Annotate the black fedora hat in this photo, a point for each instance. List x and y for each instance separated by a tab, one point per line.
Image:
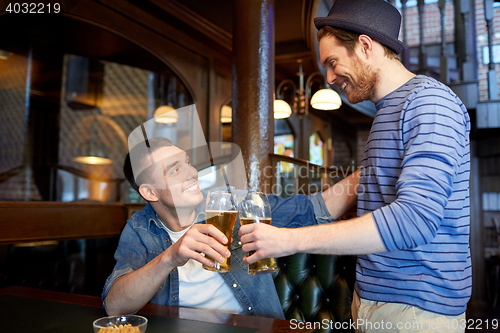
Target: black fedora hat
376	18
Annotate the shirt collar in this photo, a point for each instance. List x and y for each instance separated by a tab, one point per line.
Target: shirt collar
199	213
151	216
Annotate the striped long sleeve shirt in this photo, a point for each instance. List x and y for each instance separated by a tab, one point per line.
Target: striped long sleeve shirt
415	183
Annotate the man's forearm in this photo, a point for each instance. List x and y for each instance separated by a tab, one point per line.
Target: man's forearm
132	291
354	236
342	196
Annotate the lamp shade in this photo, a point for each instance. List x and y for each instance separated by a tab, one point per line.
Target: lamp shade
93	152
281	109
326	99
226	114
166	114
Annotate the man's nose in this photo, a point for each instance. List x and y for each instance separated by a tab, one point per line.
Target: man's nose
191	172
331	77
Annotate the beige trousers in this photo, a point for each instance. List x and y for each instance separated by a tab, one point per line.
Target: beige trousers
371	316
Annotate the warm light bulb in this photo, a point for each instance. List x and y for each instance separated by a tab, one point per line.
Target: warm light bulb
326	99
226	114
94	160
166	114
281	109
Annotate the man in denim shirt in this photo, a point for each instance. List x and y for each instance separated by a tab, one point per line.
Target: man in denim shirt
161	247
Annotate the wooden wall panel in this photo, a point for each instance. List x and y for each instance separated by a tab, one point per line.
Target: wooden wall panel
36	221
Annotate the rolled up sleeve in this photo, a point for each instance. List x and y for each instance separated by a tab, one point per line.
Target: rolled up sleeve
320	211
299	210
130	255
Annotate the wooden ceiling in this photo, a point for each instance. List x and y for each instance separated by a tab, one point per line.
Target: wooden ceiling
213	21
294	33
208	21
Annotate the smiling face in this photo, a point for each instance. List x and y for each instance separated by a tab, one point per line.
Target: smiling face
348	71
174	180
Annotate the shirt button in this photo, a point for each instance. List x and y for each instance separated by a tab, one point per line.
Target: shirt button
239	243
235	285
249	308
175	297
173	269
167	240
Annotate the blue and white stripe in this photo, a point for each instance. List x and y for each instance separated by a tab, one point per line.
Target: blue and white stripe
415	183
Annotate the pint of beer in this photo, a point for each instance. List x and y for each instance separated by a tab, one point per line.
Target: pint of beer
221	211
224	221
255	208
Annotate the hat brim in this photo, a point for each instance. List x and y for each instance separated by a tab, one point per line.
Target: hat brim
395	45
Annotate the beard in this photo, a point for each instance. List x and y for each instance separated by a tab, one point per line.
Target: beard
363	82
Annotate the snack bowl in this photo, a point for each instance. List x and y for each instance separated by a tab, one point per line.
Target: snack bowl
121	324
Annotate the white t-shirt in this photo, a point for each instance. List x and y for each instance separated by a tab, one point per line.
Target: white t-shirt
199	288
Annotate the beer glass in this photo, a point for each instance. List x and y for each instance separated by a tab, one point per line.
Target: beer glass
222	211
255	208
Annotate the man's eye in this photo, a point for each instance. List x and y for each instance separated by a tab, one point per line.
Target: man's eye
174	171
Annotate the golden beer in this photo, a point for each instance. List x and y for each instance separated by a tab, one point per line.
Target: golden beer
262	266
224	221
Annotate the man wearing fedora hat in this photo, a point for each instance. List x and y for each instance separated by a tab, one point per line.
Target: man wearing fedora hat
412	189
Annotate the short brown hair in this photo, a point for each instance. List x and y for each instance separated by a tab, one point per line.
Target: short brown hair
349	40
140	153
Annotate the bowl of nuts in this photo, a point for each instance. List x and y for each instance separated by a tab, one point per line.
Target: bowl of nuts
121	324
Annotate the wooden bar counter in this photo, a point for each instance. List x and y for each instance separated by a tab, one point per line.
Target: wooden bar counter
26	310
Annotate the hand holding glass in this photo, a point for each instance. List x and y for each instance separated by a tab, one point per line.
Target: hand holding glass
255	208
221	211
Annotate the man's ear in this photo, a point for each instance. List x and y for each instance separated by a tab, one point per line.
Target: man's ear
148	193
365	43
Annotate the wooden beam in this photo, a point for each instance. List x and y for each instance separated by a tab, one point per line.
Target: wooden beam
292	57
38	221
196	21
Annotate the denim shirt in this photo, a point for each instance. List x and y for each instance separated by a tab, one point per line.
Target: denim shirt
144	237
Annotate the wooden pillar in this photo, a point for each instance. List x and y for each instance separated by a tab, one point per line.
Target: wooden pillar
253	86
43	105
